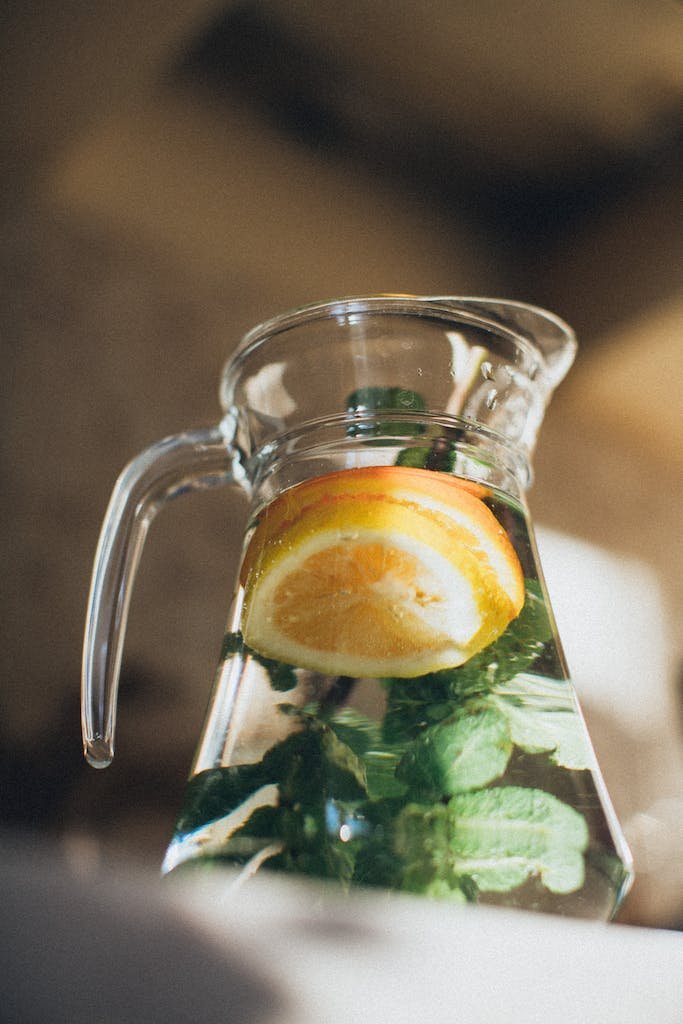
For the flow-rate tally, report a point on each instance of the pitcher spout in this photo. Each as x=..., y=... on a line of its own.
x=554, y=338
x=550, y=345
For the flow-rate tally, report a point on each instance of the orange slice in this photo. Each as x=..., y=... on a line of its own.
x=378, y=571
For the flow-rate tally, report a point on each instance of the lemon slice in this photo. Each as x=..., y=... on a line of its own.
x=379, y=571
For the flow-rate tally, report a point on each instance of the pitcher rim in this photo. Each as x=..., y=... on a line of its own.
x=479, y=309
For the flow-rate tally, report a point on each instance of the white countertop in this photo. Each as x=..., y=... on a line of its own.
x=126, y=947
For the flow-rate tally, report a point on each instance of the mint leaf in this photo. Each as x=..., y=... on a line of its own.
x=416, y=458
x=441, y=456
x=381, y=773
x=466, y=751
x=377, y=861
x=363, y=736
x=414, y=703
x=292, y=803
x=543, y=718
x=321, y=784
x=497, y=838
x=440, y=890
x=383, y=400
x=355, y=729
x=512, y=831
x=282, y=677
x=214, y=793
x=232, y=644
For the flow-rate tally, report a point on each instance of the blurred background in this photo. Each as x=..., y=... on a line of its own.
x=173, y=173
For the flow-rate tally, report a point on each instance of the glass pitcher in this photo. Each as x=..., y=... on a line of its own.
x=391, y=706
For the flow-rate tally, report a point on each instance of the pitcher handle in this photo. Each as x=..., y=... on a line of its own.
x=189, y=461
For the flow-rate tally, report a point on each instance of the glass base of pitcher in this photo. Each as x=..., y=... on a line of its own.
x=339, y=799
x=354, y=852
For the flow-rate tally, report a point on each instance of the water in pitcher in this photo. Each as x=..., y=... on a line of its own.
x=392, y=706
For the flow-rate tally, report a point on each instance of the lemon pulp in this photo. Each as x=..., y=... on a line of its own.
x=380, y=571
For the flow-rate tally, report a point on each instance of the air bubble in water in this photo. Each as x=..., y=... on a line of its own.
x=487, y=370
x=492, y=399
